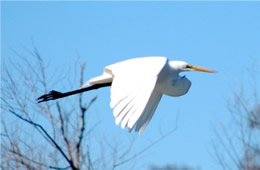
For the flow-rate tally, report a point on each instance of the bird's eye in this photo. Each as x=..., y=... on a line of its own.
x=188, y=66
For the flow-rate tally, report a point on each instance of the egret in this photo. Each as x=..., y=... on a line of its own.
x=137, y=86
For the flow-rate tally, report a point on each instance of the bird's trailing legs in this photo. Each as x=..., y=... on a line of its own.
x=53, y=95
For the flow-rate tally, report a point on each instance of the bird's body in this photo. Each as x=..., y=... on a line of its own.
x=137, y=86
x=170, y=82
x=141, y=70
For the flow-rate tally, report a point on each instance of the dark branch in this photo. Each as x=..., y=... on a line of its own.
x=48, y=136
x=62, y=126
x=53, y=95
x=82, y=125
x=33, y=161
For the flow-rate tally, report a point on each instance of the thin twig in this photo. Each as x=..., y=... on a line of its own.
x=39, y=163
x=62, y=127
x=48, y=136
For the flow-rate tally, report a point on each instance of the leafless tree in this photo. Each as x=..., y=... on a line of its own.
x=237, y=146
x=51, y=135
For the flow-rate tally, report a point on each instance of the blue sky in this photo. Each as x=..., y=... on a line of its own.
x=224, y=36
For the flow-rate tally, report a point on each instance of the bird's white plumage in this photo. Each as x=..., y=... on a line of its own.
x=148, y=112
x=138, y=85
x=106, y=77
x=132, y=88
x=133, y=84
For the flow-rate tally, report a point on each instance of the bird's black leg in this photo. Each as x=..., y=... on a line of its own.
x=52, y=95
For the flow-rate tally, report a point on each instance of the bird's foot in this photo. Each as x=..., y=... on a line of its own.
x=52, y=95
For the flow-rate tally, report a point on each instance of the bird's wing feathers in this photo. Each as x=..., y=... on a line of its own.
x=135, y=105
x=148, y=112
x=133, y=95
x=142, y=66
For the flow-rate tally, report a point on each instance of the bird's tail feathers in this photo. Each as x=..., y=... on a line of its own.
x=104, y=78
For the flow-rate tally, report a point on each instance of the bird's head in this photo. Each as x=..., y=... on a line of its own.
x=181, y=66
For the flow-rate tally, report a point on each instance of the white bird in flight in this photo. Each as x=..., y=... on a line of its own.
x=137, y=86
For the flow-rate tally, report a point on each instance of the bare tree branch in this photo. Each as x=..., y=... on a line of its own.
x=48, y=136
x=240, y=140
x=148, y=147
x=33, y=161
x=66, y=129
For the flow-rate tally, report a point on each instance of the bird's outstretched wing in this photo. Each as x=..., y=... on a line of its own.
x=133, y=94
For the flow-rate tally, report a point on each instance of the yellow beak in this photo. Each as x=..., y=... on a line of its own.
x=196, y=68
